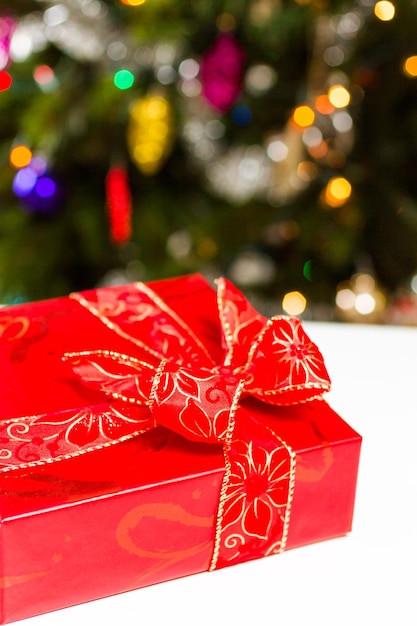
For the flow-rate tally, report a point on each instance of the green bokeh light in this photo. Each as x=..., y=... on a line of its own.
x=307, y=271
x=124, y=79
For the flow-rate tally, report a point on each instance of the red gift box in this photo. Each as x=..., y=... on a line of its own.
x=153, y=431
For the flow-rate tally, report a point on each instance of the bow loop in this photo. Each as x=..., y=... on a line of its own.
x=139, y=312
x=284, y=365
x=240, y=322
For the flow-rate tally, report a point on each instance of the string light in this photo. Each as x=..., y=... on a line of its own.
x=337, y=192
x=359, y=299
x=56, y=15
x=342, y=121
x=20, y=156
x=318, y=151
x=384, y=10
x=339, y=96
x=307, y=270
x=133, y=3
x=124, y=79
x=277, y=150
x=242, y=115
x=307, y=171
x=24, y=182
x=303, y=116
x=43, y=74
x=188, y=69
x=410, y=66
x=312, y=136
x=38, y=190
x=259, y=79
x=45, y=77
x=323, y=104
x=294, y=303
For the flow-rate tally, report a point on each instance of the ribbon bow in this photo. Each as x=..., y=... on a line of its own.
x=171, y=380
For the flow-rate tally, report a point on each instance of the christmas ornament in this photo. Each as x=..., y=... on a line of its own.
x=7, y=26
x=150, y=132
x=221, y=72
x=119, y=204
x=5, y=80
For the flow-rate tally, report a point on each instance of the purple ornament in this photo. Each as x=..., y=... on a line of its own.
x=221, y=72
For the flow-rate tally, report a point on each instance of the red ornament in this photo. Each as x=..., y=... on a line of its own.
x=221, y=72
x=119, y=204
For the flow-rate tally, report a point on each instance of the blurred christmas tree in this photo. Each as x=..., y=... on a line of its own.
x=271, y=141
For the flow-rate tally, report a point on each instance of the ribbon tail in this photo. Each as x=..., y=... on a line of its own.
x=256, y=497
x=41, y=439
x=119, y=376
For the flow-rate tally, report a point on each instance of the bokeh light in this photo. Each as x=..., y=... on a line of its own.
x=43, y=75
x=259, y=79
x=342, y=121
x=345, y=299
x=294, y=303
x=277, y=150
x=242, y=115
x=303, y=116
x=360, y=299
x=307, y=171
x=226, y=22
x=307, y=270
x=323, y=104
x=45, y=187
x=133, y=3
x=24, y=182
x=337, y=191
x=189, y=69
x=339, y=96
x=312, y=136
x=20, y=156
x=384, y=10
x=124, y=79
x=410, y=66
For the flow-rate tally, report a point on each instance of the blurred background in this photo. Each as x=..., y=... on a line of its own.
x=270, y=141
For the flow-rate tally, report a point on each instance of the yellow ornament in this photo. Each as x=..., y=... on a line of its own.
x=150, y=132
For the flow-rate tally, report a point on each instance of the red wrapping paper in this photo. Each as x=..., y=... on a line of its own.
x=118, y=510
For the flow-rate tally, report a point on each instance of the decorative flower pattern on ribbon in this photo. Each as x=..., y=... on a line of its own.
x=170, y=379
x=256, y=488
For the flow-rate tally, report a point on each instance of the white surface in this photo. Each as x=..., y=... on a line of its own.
x=368, y=577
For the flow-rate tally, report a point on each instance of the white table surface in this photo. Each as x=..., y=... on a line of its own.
x=367, y=577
